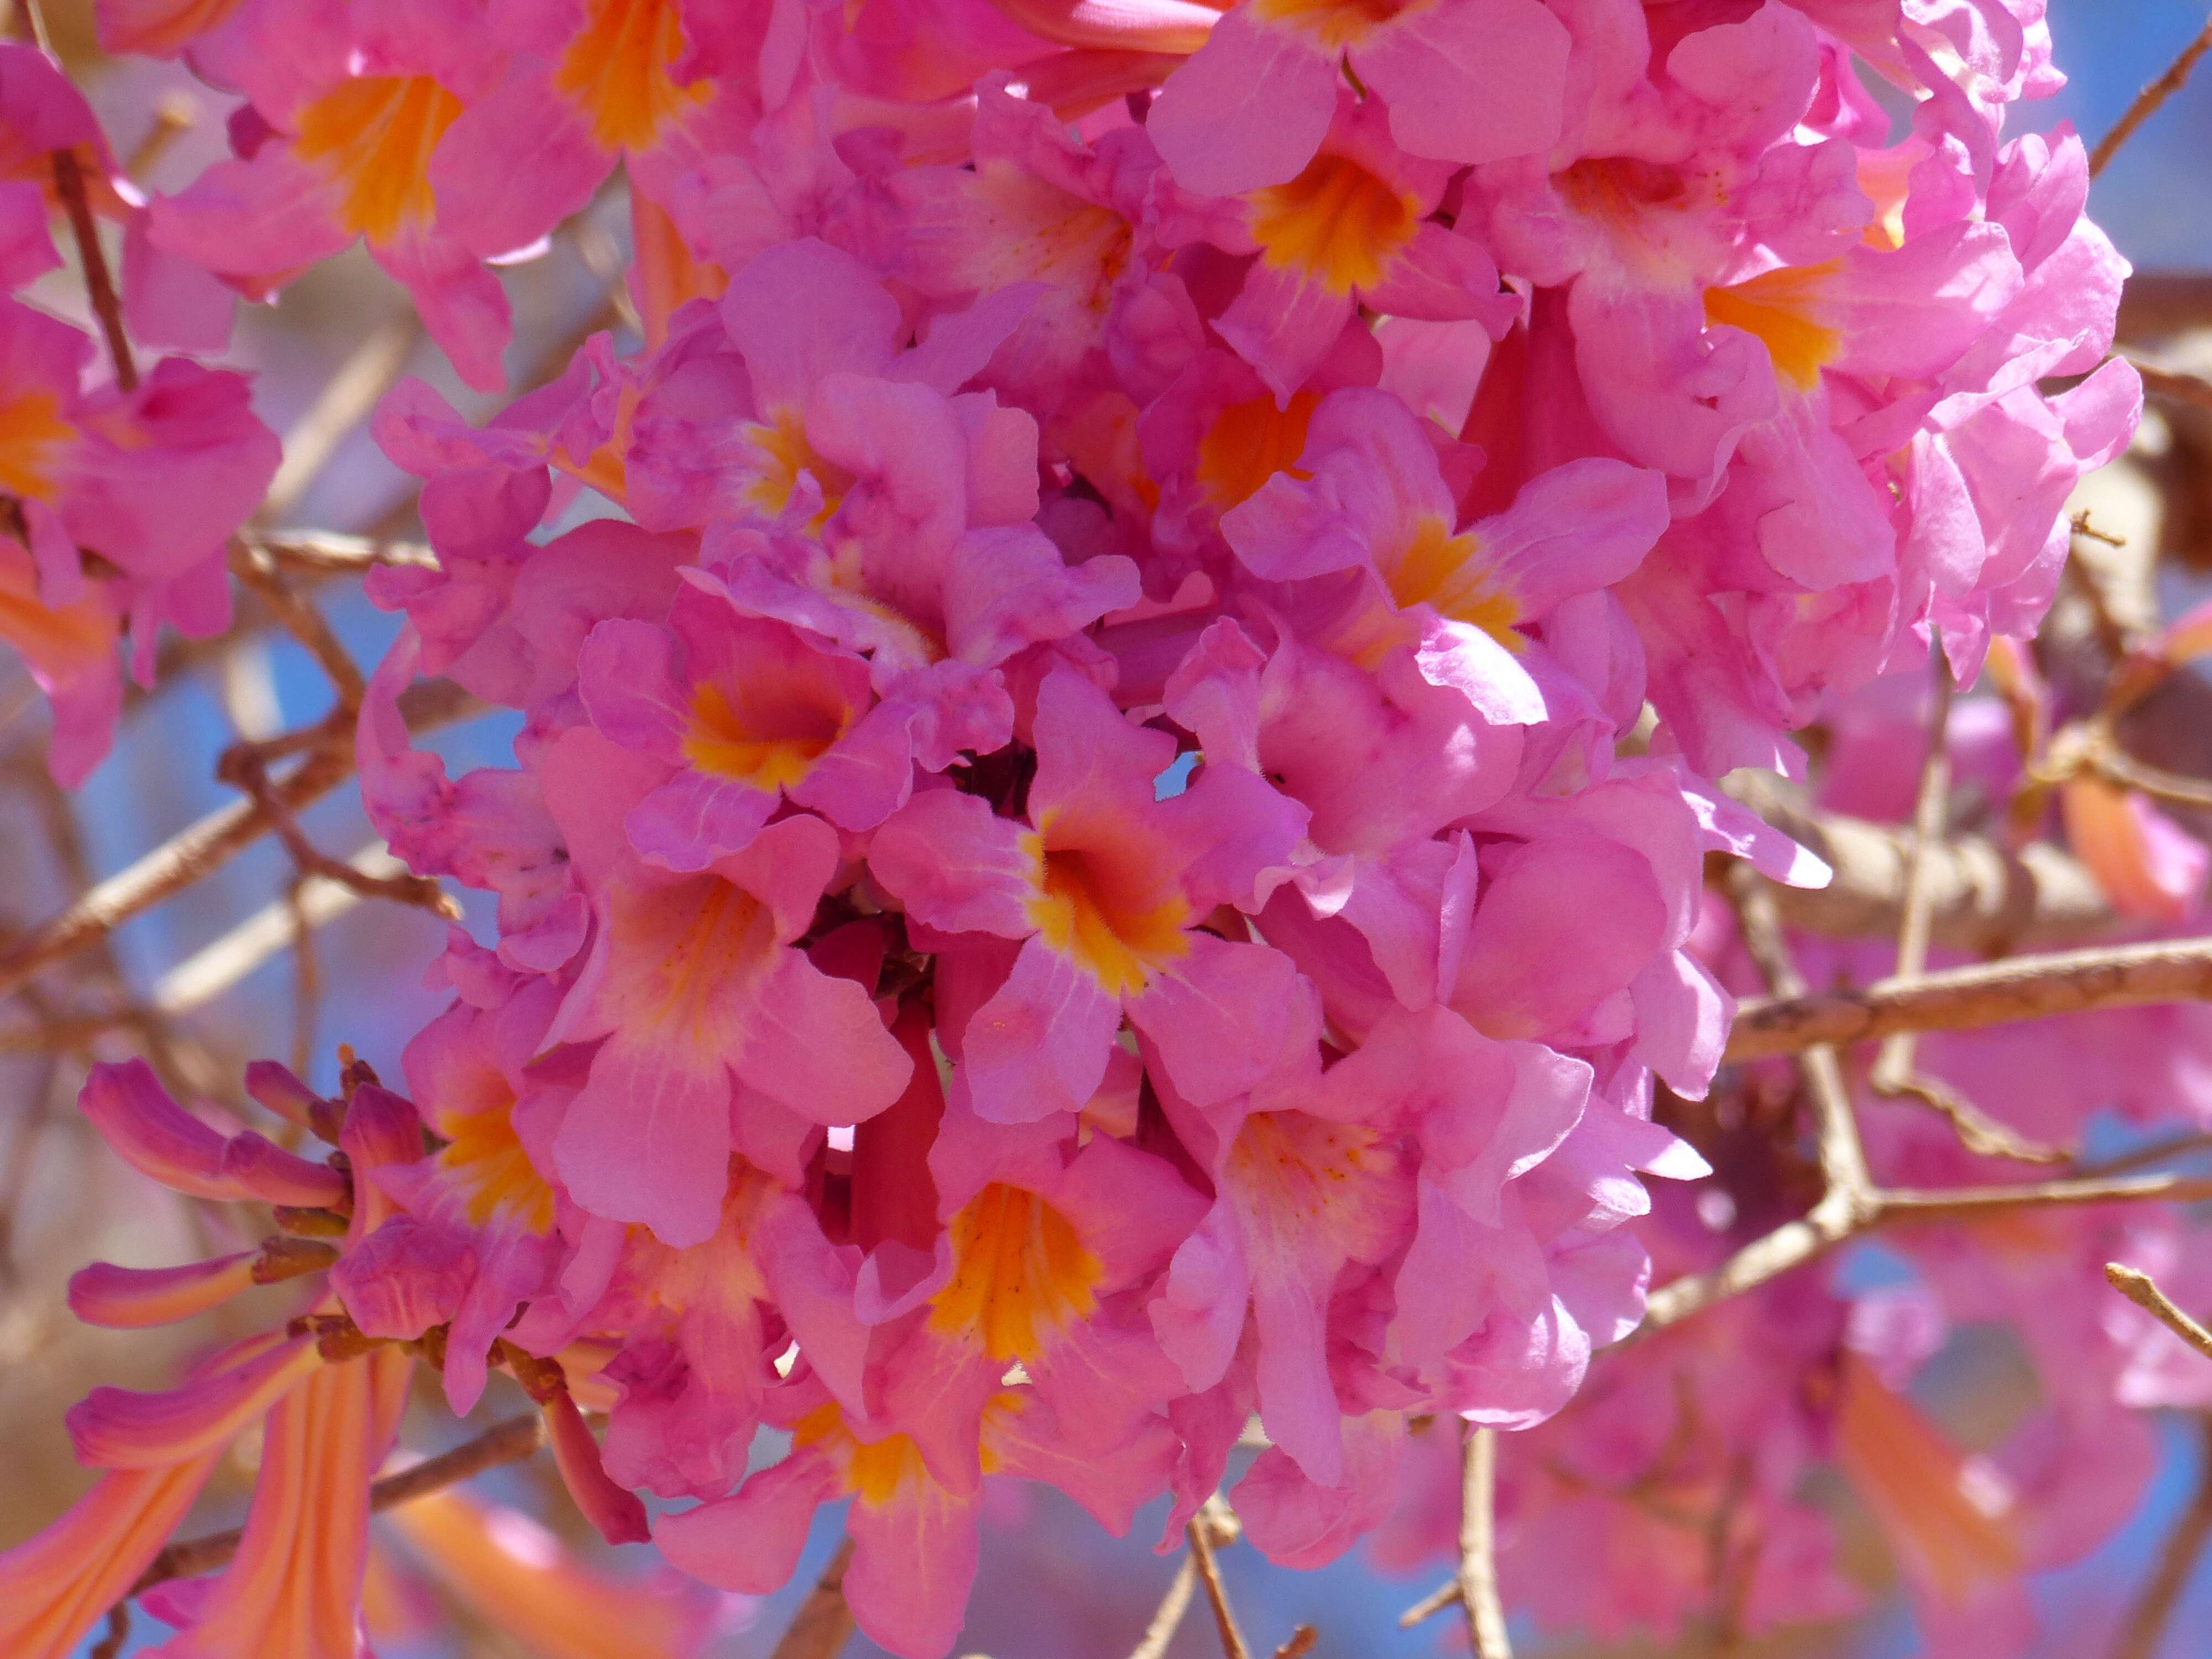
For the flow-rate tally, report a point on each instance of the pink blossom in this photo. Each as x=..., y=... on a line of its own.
x=1107, y=886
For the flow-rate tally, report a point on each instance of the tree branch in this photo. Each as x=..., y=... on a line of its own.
x=1991, y=993
x=1217, y=1595
x=202, y=847
x=1982, y=897
x=2146, y=1621
x=504, y=1442
x=824, y=1623
x=2148, y=100
x=2138, y=1289
x=99, y=285
x=1478, y=1544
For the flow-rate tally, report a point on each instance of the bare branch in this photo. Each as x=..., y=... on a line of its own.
x=1978, y=1133
x=117, y=1636
x=2138, y=1289
x=1160, y=1632
x=824, y=1623
x=216, y=967
x=1478, y=1544
x=2148, y=100
x=510, y=1442
x=1842, y=1160
x=202, y=847
x=301, y=620
x=324, y=552
x=1991, y=994
x=2172, y=386
x=1217, y=1595
x=1983, y=896
x=342, y=404
x=2147, y=1619
x=99, y=285
x=1969, y=1203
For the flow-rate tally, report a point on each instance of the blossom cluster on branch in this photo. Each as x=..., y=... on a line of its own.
x=1120, y=708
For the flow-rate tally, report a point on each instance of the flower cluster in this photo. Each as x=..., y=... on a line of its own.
x=1678, y=1492
x=1116, y=736
x=117, y=497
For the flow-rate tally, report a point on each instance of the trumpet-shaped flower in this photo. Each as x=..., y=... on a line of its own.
x=1110, y=888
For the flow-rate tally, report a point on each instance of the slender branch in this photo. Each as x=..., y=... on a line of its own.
x=1969, y=1203
x=1301, y=1642
x=1842, y=1160
x=824, y=1623
x=99, y=285
x=1978, y=1133
x=342, y=405
x=324, y=552
x=510, y=1442
x=2152, y=1608
x=1478, y=1544
x=1217, y=1595
x=301, y=620
x=2148, y=100
x=202, y=847
x=2172, y=386
x=117, y=1636
x=1992, y=993
x=2121, y=768
x=1847, y=1201
x=1828, y=1223
x=1983, y=897
x=2138, y=1289
x=1931, y=808
x=1160, y=1632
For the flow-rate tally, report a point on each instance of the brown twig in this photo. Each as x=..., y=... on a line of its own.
x=118, y=1635
x=2152, y=1607
x=2174, y=388
x=1301, y=1642
x=1847, y=1202
x=253, y=566
x=1983, y=896
x=1895, y=1072
x=1892, y=1069
x=1795, y=1242
x=323, y=552
x=99, y=286
x=1991, y=993
x=510, y=1442
x=1153, y=1644
x=196, y=850
x=342, y=405
x=824, y=1623
x=2148, y=100
x=1478, y=1544
x=2138, y=1289
x=1217, y=1595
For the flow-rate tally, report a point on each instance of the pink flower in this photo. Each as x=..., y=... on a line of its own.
x=1048, y=1255
x=747, y=712
x=649, y=83
x=1109, y=887
x=706, y=1010
x=1463, y=81
x=915, y=1540
x=1352, y=228
x=1374, y=500
x=354, y=103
